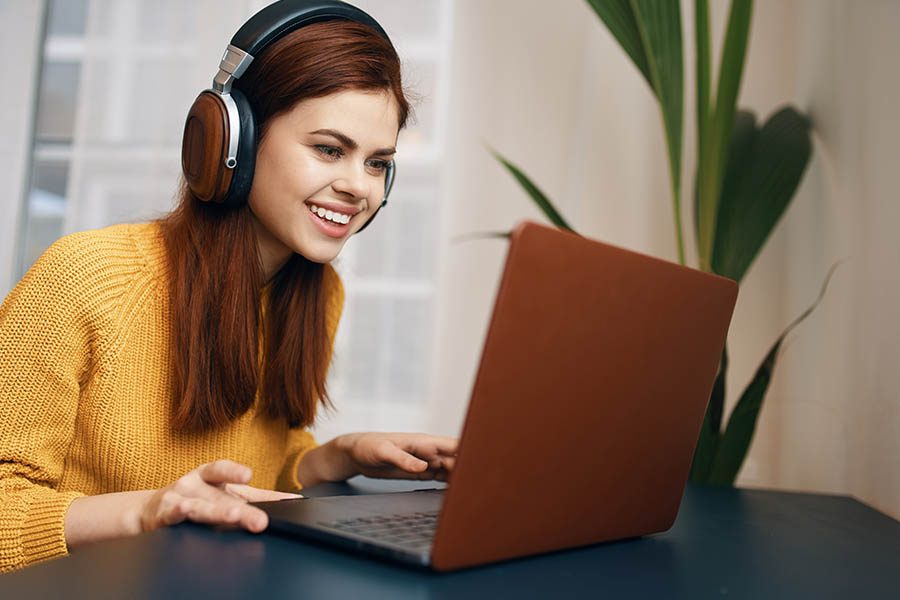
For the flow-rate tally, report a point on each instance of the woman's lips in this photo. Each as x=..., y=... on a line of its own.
x=329, y=228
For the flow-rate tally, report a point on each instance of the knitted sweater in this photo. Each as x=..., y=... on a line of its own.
x=84, y=390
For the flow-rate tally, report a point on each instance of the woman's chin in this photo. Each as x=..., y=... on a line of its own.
x=320, y=252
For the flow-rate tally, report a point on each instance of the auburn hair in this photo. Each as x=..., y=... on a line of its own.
x=233, y=338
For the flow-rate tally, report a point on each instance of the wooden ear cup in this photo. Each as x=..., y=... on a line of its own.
x=204, y=148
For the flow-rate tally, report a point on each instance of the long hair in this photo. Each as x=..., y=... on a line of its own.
x=219, y=308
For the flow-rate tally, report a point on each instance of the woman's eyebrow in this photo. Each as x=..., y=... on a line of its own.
x=350, y=143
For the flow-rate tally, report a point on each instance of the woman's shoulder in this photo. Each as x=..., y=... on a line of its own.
x=125, y=242
x=99, y=261
x=112, y=237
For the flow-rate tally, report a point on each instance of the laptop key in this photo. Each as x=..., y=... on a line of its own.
x=414, y=530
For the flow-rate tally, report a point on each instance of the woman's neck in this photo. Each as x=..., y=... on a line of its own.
x=272, y=253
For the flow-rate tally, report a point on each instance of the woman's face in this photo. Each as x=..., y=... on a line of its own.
x=327, y=154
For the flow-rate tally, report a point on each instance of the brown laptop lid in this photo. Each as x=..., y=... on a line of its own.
x=594, y=380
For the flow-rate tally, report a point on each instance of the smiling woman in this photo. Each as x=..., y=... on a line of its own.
x=152, y=371
x=296, y=171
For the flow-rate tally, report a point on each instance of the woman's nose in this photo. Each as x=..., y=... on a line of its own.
x=352, y=180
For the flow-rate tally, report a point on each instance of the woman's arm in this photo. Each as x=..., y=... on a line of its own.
x=383, y=455
x=103, y=517
x=47, y=335
x=214, y=493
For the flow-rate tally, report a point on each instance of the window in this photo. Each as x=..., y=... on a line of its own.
x=118, y=77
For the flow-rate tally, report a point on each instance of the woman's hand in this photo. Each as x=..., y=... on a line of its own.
x=383, y=455
x=214, y=493
x=399, y=455
x=211, y=493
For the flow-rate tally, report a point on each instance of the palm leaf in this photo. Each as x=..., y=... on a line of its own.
x=536, y=194
x=743, y=133
x=659, y=25
x=483, y=235
x=649, y=31
x=733, y=446
x=619, y=18
x=717, y=136
x=765, y=167
x=712, y=423
x=701, y=31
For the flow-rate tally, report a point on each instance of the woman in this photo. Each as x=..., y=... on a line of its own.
x=167, y=371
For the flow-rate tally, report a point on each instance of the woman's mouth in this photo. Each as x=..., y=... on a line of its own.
x=328, y=215
x=332, y=223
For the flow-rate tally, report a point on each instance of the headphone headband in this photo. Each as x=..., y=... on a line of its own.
x=277, y=20
x=280, y=18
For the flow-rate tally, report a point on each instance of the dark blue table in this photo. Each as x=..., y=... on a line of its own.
x=725, y=544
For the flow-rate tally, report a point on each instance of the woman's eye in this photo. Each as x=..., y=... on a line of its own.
x=378, y=165
x=330, y=151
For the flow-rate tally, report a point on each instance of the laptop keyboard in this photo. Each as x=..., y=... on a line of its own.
x=415, y=530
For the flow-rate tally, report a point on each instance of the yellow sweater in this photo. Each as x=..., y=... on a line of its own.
x=84, y=402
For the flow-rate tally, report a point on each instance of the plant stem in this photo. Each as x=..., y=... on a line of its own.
x=676, y=201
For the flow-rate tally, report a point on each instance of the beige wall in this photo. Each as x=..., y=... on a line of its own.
x=833, y=418
x=558, y=97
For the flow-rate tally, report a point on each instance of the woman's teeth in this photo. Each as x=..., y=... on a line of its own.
x=329, y=215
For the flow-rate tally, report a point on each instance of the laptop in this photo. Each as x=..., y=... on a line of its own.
x=592, y=388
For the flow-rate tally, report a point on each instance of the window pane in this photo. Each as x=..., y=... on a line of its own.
x=406, y=19
x=50, y=178
x=409, y=343
x=167, y=20
x=46, y=209
x=421, y=78
x=361, y=365
x=413, y=250
x=370, y=247
x=66, y=17
x=56, y=102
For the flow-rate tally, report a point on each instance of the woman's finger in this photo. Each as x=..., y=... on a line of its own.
x=210, y=485
x=224, y=471
x=389, y=453
x=231, y=513
x=445, y=463
x=428, y=446
x=253, y=494
x=390, y=472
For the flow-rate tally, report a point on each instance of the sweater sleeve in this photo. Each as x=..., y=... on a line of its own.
x=302, y=441
x=45, y=343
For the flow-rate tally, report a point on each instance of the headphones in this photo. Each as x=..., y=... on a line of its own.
x=218, y=150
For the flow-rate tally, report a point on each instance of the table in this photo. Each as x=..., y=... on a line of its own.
x=726, y=543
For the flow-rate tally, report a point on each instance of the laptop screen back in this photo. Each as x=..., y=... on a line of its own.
x=592, y=387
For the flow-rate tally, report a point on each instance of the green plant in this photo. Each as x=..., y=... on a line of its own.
x=746, y=176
